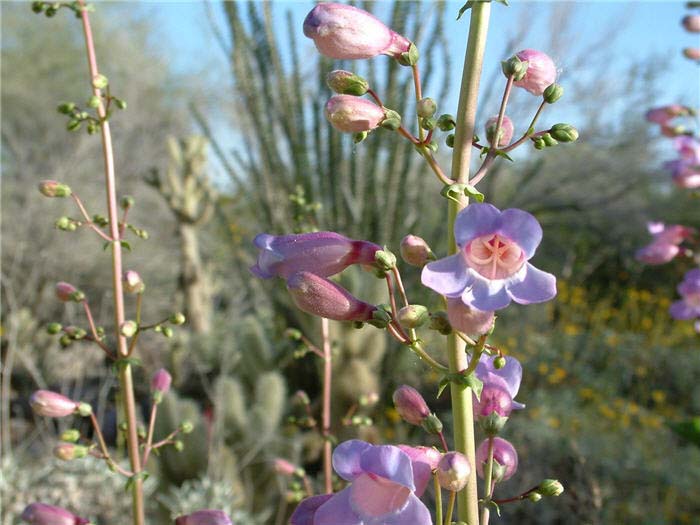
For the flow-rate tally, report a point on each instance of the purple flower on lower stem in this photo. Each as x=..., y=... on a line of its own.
x=491, y=267
x=322, y=253
x=689, y=306
x=501, y=385
x=204, y=517
x=504, y=454
x=43, y=514
x=382, y=490
x=665, y=243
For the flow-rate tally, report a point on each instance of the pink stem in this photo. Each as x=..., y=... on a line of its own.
x=326, y=417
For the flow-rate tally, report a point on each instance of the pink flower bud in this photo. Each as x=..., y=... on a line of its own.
x=415, y=251
x=453, y=471
x=503, y=453
x=284, y=467
x=468, y=320
x=67, y=292
x=541, y=71
x=43, y=514
x=70, y=451
x=692, y=23
x=52, y=404
x=346, y=32
x=662, y=115
x=506, y=133
x=205, y=517
x=693, y=53
x=52, y=188
x=410, y=405
x=160, y=382
x=493, y=399
x=318, y=296
x=132, y=282
x=351, y=114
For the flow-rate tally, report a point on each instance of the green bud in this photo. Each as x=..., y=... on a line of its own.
x=177, y=318
x=499, y=362
x=346, y=83
x=50, y=11
x=92, y=128
x=37, y=7
x=410, y=57
x=392, y=120
x=121, y=104
x=446, y=122
x=94, y=101
x=534, y=497
x=84, y=409
x=549, y=140
x=413, y=316
x=179, y=446
x=186, y=427
x=129, y=328
x=73, y=125
x=66, y=108
x=440, y=322
x=78, y=334
x=553, y=93
x=100, y=220
x=539, y=143
x=450, y=140
x=428, y=124
x=385, y=259
x=492, y=424
x=551, y=487
x=498, y=471
x=426, y=107
x=141, y=431
x=53, y=328
x=123, y=426
x=126, y=202
x=65, y=341
x=432, y=424
x=432, y=146
x=167, y=331
x=514, y=67
x=83, y=115
x=380, y=318
x=359, y=137
x=71, y=435
x=564, y=132
x=293, y=334
x=100, y=82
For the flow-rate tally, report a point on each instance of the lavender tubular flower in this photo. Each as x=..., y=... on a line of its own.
x=346, y=32
x=382, y=490
x=318, y=296
x=350, y=114
x=468, y=320
x=43, y=514
x=665, y=244
x=491, y=267
x=52, y=404
x=204, y=517
x=689, y=289
x=322, y=253
x=501, y=385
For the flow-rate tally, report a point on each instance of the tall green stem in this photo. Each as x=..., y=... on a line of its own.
x=468, y=499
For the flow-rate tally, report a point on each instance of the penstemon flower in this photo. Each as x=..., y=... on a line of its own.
x=491, y=267
x=665, y=244
x=689, y=289
x=351, y=114
x=541, y=71
x=322, y=253
x=467, y=319
x=51, y=404
x=382, y=490
x=43, y=514
x=346, y=32
x=501, y=385
x=505, y=458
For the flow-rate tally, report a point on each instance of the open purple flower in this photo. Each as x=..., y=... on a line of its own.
x=689, y=306
x=321, y=253
x=501, y=385
x=665, y=244
x=382, y=490
x=491, y=267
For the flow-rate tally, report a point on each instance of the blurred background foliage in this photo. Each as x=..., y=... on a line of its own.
x=606, y=372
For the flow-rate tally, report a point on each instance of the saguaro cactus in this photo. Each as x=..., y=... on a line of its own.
x=189, y=196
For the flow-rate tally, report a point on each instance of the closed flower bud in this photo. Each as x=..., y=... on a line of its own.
x=506, y=132
x=426, y=107
x=126, y=202
x=72, y=435
x=52, y=404
x=499, y=362
x=132, y=282
x=453, y=471
x=160, y=383
x=284, y=467
x=446, y=122
x=319, y=296
x=564, y=132
x=346, y=83
x=693, y=53
x=70, y=451
x=392, y=120
x=468, y=320
x=415, y=251
x=52, y=188
x=385, y=259
x=534, y=496
x=67, y=292
x=351, y=114
x=53, y=328
x=692, y=23
x=551, y=487
x=177, y=318
x=504, y=455
x=540, y=74
x=129, y=328
x=410, y=405
x=204, y=517
x=100, y=81
x=413, y=315
x=43, y=514
x=346, y=32
x=514, y=67
x=553, y=93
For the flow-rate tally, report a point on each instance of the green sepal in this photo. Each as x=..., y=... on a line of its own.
x=130, y=482
x=453, y=191
x=459, y=378
x=410, y=57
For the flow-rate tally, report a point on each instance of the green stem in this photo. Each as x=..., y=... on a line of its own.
x=450, y=508
x=488, y=485
x=468, y=499
x=438, y=500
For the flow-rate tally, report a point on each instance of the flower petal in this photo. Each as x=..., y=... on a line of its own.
x=414, y=513
x=390, y=463
x=372, y=496
x=346, y=458
x=523, y=229
x=306, y=510
x=486, y=294
x=508, y=377
x=536, y=287
x=476, y=220
x=682, y=311
x=448, y=276
x=423, y=460
x=338, y=511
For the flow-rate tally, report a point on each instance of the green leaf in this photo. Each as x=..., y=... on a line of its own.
x=464, y=8
x=130, y=482
x=475, y=384
x=443, y=384
x=126, y=245
x=503, y=154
